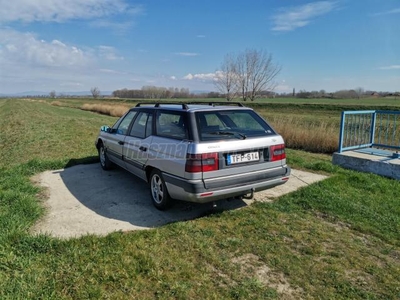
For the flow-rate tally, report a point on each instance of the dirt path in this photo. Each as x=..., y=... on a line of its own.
x=87, y=200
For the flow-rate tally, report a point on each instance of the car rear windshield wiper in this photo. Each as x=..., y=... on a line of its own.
x=243, y=136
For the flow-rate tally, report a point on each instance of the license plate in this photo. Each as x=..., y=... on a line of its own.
x=243, y=158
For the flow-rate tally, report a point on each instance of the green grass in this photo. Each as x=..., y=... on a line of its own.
x=38, y=130
x=337, y=239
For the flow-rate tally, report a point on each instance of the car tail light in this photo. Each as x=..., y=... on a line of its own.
x=204, y=162
x=278, y=152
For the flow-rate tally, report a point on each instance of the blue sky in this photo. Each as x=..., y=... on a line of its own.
x=73, y=45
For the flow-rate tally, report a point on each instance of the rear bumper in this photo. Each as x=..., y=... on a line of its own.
x=222, y=188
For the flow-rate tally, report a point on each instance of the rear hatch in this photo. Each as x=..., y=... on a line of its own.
x=225, y=164
x=236, y=147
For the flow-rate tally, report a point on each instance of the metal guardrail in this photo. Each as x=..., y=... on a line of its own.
x=369, y=128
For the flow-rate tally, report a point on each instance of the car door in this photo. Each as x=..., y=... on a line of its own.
x=137, y=143
x=116, y=139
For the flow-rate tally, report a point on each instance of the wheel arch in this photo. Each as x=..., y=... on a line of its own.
x=99, y=142
x=148, y=171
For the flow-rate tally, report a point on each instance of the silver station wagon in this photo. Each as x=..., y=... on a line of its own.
x=195, y=152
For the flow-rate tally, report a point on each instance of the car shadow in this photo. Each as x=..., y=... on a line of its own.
x=119, y=195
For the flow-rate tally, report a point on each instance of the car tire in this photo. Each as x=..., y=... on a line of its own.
x=158, y=191
x=105, y=162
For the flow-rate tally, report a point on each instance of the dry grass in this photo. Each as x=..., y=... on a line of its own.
x=107, y=109
x=315, y=137
x=56, y=103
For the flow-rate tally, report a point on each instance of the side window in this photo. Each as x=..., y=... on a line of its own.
x=149, y=125
x=124, y=124
x=142, y=127
x=171, y=125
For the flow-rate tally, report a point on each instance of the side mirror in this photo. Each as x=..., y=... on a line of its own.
x=105, y=128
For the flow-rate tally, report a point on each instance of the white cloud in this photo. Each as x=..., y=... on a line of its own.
x=392, y=67
x=110, y=71
x=187, y=54
x=31, y=64
x=389, y=12
x=119, y=28
x=282, y=88
x=62, y=10
x=109, y=53
x=57, y=43
x=71, y=84
x=188, y=77
x=26, y=49
x=293, y=17
x=202, y=77
x=172, y=78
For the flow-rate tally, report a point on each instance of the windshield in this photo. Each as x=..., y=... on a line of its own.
x=231, y=124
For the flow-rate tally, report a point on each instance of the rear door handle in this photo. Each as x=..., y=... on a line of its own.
x=121, y=143
x=141, y=148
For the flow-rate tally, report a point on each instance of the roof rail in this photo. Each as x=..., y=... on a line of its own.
x=158, y=104
x=218, y=103
x=185, y=105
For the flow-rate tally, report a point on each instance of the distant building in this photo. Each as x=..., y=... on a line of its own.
x=375, y=95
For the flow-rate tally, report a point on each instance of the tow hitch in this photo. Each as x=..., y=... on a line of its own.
x=251, y=195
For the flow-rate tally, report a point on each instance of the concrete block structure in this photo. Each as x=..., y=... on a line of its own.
x=369, y=141
x=385, y=163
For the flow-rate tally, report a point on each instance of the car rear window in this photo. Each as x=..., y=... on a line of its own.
x=231, y=124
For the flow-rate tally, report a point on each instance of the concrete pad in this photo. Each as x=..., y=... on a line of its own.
x=384, y=165
x=84, y=199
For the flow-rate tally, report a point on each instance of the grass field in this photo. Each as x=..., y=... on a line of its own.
x=337, y=239
x=369, y=101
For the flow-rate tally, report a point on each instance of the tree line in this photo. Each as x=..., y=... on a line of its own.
x=356, y=93
x=153, y=92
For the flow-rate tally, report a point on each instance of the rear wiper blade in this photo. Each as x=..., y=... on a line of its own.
x=243, y=136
